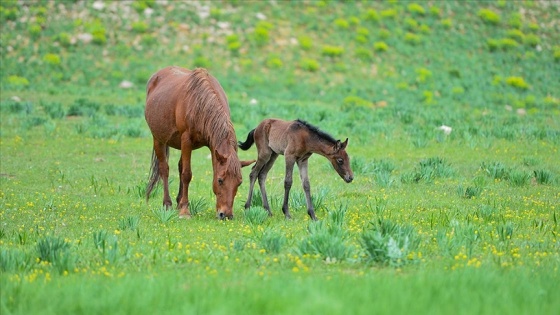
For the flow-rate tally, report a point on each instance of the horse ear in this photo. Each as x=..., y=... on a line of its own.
x=344, y=144
x=247, y=163
x=220, y=158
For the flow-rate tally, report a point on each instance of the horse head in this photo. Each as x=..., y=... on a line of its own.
x=341, y=161
x=227, y=179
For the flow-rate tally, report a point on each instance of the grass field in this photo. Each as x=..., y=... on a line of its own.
x=452, y=112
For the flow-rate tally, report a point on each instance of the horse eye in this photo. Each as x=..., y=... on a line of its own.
x=220, y=181
x=339, y=161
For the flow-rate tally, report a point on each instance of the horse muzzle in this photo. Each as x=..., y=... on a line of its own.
x=348, y=178
x=222, y=215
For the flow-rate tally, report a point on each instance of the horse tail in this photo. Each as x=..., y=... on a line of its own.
x=249, y=142
x=154, y=173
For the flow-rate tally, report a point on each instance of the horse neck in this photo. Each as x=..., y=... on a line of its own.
x=321, y=147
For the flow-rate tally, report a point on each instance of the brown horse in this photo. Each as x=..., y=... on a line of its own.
x=296, y=140
x=187, y=110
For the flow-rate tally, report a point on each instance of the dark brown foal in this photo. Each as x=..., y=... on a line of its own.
x=297, y=140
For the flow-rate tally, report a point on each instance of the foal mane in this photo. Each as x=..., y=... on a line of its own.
x=317, y=132
x=208, y=108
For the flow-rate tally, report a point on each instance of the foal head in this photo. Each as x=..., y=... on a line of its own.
x=227, y=178
x=340, y=160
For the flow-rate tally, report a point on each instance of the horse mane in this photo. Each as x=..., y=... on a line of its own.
x=317, y=132
x=209, y=109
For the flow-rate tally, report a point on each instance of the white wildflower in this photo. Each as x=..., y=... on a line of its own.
x=126, y=84
x=85, y=38
x=98, y=5
x=261, y=16
x=253, y=101
x=446, y=129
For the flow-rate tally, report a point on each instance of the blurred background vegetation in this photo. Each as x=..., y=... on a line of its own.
x=360, y=68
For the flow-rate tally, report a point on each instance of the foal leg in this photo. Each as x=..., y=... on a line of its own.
x=255, y=171
x=262, y=181
x=186, y=176
x=161, y=155
x=290, y=161
x=306, y=187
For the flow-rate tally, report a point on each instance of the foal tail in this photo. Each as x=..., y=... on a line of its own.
x=249, y=142
x=154, y=173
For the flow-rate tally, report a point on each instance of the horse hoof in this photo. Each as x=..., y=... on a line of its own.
x=185, y=216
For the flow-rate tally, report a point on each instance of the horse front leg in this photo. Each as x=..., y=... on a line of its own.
x=290, y=161
x=180, y=168
x=303, y=164
x=161, y=151
x=186, y=176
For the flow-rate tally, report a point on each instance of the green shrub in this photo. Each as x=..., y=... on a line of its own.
x=515, y=21
x=164, y=215
x=129, y=223
x=327, y=238
x=34, y=30
x=517, y=82
x=272, y=241
x=371, y=15
x=234, y=47
x=17, y=81
x=274, y=62
x=139, y=27
x=412, y=38
x=543, y=177
x=353, y=102
x=8, y=14
x=341, y=23
x=508, y=43
x=64, y=39
x=261, y=36
x=305, y=42
x=332, y=51
x=52, y=59
x=51, y=249
x=519, y=177
x=411, y=24
x=389, y=13
x=15, y=261
x=447, y=23
x=417, y=9
x=489, y=17
x=255, y=215
x=389, y=243
x=380, y=46
x=55, y=110
x=435, y=11
x=363, y=54
x=310, y=65
x=516, y=35
x=531, y=40
x=495, y=170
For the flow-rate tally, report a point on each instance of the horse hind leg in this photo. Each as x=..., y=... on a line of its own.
x=262, y=181
x=255, y=171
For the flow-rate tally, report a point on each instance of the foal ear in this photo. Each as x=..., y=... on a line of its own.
x=340, y=145
x=247, y=163
x=220, y=158
x=344, y=144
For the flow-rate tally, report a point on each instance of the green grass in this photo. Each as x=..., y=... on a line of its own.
x=433, y=223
